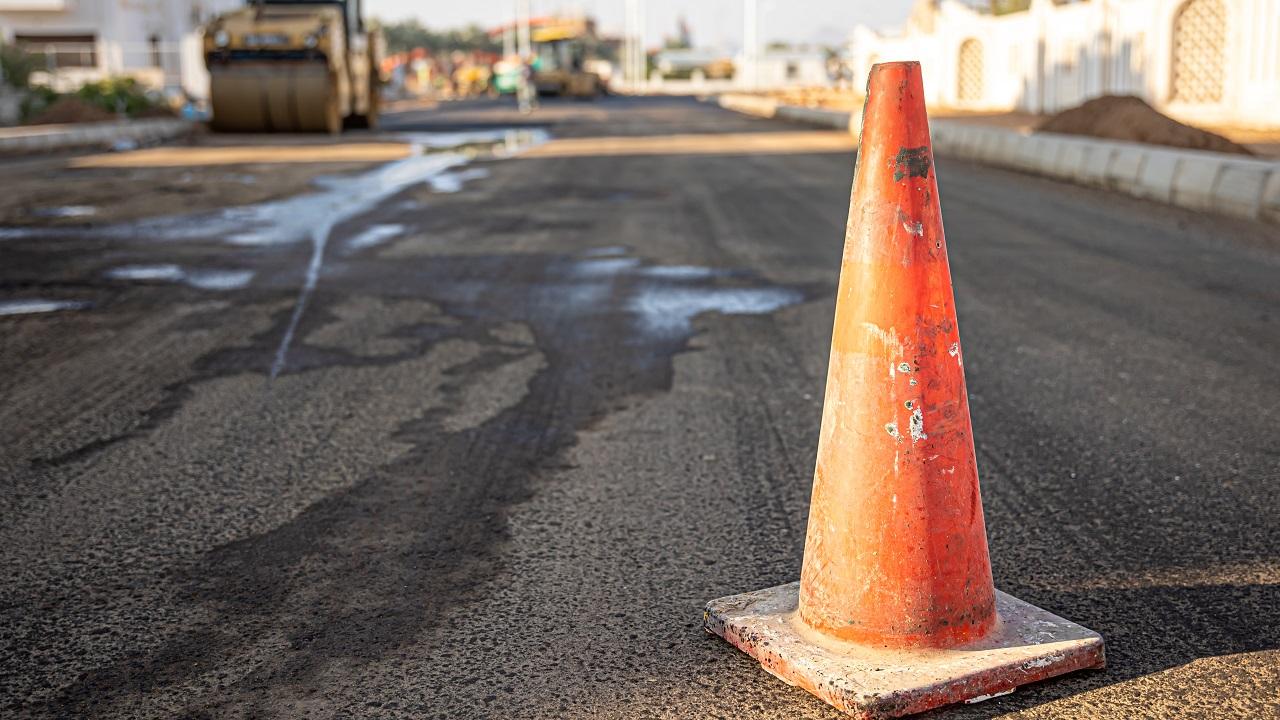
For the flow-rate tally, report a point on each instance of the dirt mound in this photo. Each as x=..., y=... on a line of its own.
x=156, y=111
x=1125, y=117
x=71, y=109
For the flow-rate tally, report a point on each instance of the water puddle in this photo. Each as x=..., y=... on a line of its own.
x=502, y=142
x=603, y=266
x=38, y=305
x=664, y=299
x=452, y=182
x=670, y=310
x=219, y=279
x=200, y=279
x=681, y=272
x=313, y=216
x=435, y=159
x=372, y=236
x=670, y=303
x=66, y=211
x=656, y=303
x=342, y=198
x=607, y=251
x=171, y=273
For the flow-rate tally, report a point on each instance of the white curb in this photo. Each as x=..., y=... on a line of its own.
x=1197, y=179
x=45, y=138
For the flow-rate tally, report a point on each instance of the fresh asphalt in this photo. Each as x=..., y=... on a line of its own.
x=516, y=441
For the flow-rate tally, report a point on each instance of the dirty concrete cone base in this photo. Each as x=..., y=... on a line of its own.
x=1027, y=645
x=896, y=611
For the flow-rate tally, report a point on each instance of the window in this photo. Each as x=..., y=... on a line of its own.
x=61, y=51
x=1199, y=42
x=969, y=72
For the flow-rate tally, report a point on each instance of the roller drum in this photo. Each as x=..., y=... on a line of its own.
x=274, y=97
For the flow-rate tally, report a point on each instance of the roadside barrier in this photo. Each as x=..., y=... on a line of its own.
x=53, y=138
x=1195, y=179
x=895, y=611
x=1233, y=185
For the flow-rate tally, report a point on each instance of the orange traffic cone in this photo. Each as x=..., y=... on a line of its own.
x=895, y=612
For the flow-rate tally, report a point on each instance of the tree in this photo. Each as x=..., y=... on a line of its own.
x=410, y=34
x=16, y=66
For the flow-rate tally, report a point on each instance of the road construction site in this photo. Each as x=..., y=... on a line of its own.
x=470, y=416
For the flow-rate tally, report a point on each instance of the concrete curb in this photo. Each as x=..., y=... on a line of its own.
x=1197, y=179
x=49, y=138
x=749, y=105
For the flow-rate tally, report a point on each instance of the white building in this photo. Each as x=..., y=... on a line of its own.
x=782, y=68
x=1205, y=61
x=155, y=41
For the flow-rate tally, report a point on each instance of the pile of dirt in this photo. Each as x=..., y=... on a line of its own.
x=71, y=109
x=156, y=111
x=1125, y=117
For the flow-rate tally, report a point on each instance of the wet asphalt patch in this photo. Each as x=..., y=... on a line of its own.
x=608, y=326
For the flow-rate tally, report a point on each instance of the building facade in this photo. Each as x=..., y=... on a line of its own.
x=156, y=42
x=1201, y=61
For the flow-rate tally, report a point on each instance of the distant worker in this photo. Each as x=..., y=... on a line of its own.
x=525, y=95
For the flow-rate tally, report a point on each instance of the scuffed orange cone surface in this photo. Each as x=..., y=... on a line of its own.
x=895, y=612
x=896, y=552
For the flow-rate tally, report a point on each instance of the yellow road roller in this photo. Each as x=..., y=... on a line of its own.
x=562, y=50
x=293, y=66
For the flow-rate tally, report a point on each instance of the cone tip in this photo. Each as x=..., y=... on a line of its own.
x=901, y=64
x=893, y=72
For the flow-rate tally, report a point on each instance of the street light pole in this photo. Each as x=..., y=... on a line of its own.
x=750, y=41
x=627, y=42
x=642, y=69
x=633, y=64
x=522, y=23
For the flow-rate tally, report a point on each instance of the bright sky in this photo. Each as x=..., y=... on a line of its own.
x=715, y=23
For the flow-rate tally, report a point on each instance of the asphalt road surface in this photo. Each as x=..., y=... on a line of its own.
x=481, y=441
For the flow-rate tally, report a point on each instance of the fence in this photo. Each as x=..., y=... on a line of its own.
x=162, y=65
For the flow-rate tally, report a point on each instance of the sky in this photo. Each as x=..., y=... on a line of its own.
x=715, y=23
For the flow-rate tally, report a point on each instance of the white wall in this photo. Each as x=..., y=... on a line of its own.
x=124, y=29
x=771, y=70
x=1056, y=56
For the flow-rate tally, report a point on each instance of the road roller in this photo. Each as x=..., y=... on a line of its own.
x=562, y=49
x=293, y=66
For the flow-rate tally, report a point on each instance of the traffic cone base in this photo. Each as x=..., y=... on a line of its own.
x=1027, y=645
x=896, y=611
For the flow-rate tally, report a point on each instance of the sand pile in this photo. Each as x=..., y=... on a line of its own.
x=1124, y=117
x=71, y=109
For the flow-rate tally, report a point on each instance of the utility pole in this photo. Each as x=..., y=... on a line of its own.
x=522, y=33
x=642, y=64
x=525, y=92
x=750, y=42
x=627, y=41
x=633, y=47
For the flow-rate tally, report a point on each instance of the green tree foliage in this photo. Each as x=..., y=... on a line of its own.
x=117, y=95
x=16, y=66
x=410, y=34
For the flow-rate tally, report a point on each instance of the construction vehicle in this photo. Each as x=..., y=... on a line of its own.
x=562, y=50
x=293, y=66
